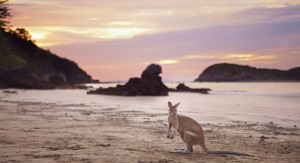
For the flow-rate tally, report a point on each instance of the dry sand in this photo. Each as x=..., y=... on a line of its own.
x=51, y=132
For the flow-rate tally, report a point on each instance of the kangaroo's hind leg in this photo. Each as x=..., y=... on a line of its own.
x=185, y=137
x=188, y=139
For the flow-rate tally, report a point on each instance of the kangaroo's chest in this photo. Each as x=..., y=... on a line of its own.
x=174, y=122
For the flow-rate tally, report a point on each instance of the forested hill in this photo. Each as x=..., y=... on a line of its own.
x=234, y=72
x=25, y=65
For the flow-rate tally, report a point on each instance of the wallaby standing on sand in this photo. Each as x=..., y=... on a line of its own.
x=190, y=132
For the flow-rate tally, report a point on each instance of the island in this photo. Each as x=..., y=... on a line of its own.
x=225, y=72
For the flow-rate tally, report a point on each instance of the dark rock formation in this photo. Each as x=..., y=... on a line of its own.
x=183, y=88
x=152, y=72
x=232, y=72
x=149, y=84
x=25, y=65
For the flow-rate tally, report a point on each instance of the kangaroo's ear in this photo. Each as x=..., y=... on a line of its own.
x=170, y=105
x=175, y=106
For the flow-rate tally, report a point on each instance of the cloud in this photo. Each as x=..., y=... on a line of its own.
x=161, y=15
x=98, y=67
x=195, y=56
x=248, y=57
x=193, y=50
x=127, y=19
x=265, y=14
x=49, y=36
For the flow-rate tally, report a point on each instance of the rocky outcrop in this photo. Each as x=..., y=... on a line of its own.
x=152, y=72
x=233, y=72
x=25, y=65
x=183, y=88
x=149, y=84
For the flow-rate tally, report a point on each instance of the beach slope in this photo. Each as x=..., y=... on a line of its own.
x=55, y=132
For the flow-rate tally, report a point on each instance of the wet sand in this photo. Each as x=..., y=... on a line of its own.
x=54, y=132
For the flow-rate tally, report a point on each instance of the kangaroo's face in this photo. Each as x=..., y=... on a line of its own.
x=172, y=109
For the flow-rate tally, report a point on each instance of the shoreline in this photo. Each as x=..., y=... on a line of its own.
x=54, y=132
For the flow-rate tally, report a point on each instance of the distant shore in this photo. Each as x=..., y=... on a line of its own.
x=233, y=72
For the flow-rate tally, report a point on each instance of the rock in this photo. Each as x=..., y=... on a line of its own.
x=152, y=72
x=149, y=84
x=183, y=88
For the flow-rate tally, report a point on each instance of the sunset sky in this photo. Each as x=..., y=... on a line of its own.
x=116, y=39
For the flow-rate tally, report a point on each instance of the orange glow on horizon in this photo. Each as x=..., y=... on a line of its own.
x=248, y=57
x=165, y=62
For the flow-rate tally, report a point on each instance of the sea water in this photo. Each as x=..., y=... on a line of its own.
x=263, y=102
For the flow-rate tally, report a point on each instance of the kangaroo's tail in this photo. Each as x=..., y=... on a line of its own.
x=229, y=153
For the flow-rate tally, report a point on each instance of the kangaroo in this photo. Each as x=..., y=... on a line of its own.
x=190, y=132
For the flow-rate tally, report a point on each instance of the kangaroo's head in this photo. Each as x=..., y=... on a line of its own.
x=172, y=109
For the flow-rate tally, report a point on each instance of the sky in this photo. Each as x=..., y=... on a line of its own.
x=116, y=40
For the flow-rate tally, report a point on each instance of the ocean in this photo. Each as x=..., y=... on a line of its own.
x=228, y=102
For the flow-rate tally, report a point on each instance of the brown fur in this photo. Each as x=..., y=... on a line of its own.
x=190, y=132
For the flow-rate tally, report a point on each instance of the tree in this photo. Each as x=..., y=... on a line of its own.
x=4, y=14
x=4, y=22
x=22, y=33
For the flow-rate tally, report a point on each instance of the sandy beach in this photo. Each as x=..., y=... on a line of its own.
x=47, y=131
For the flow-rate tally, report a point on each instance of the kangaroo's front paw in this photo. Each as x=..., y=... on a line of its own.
x=168, y=136
x=171, y=137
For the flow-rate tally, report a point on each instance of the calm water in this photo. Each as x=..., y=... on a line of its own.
x=258, y=88
x=251, y=102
